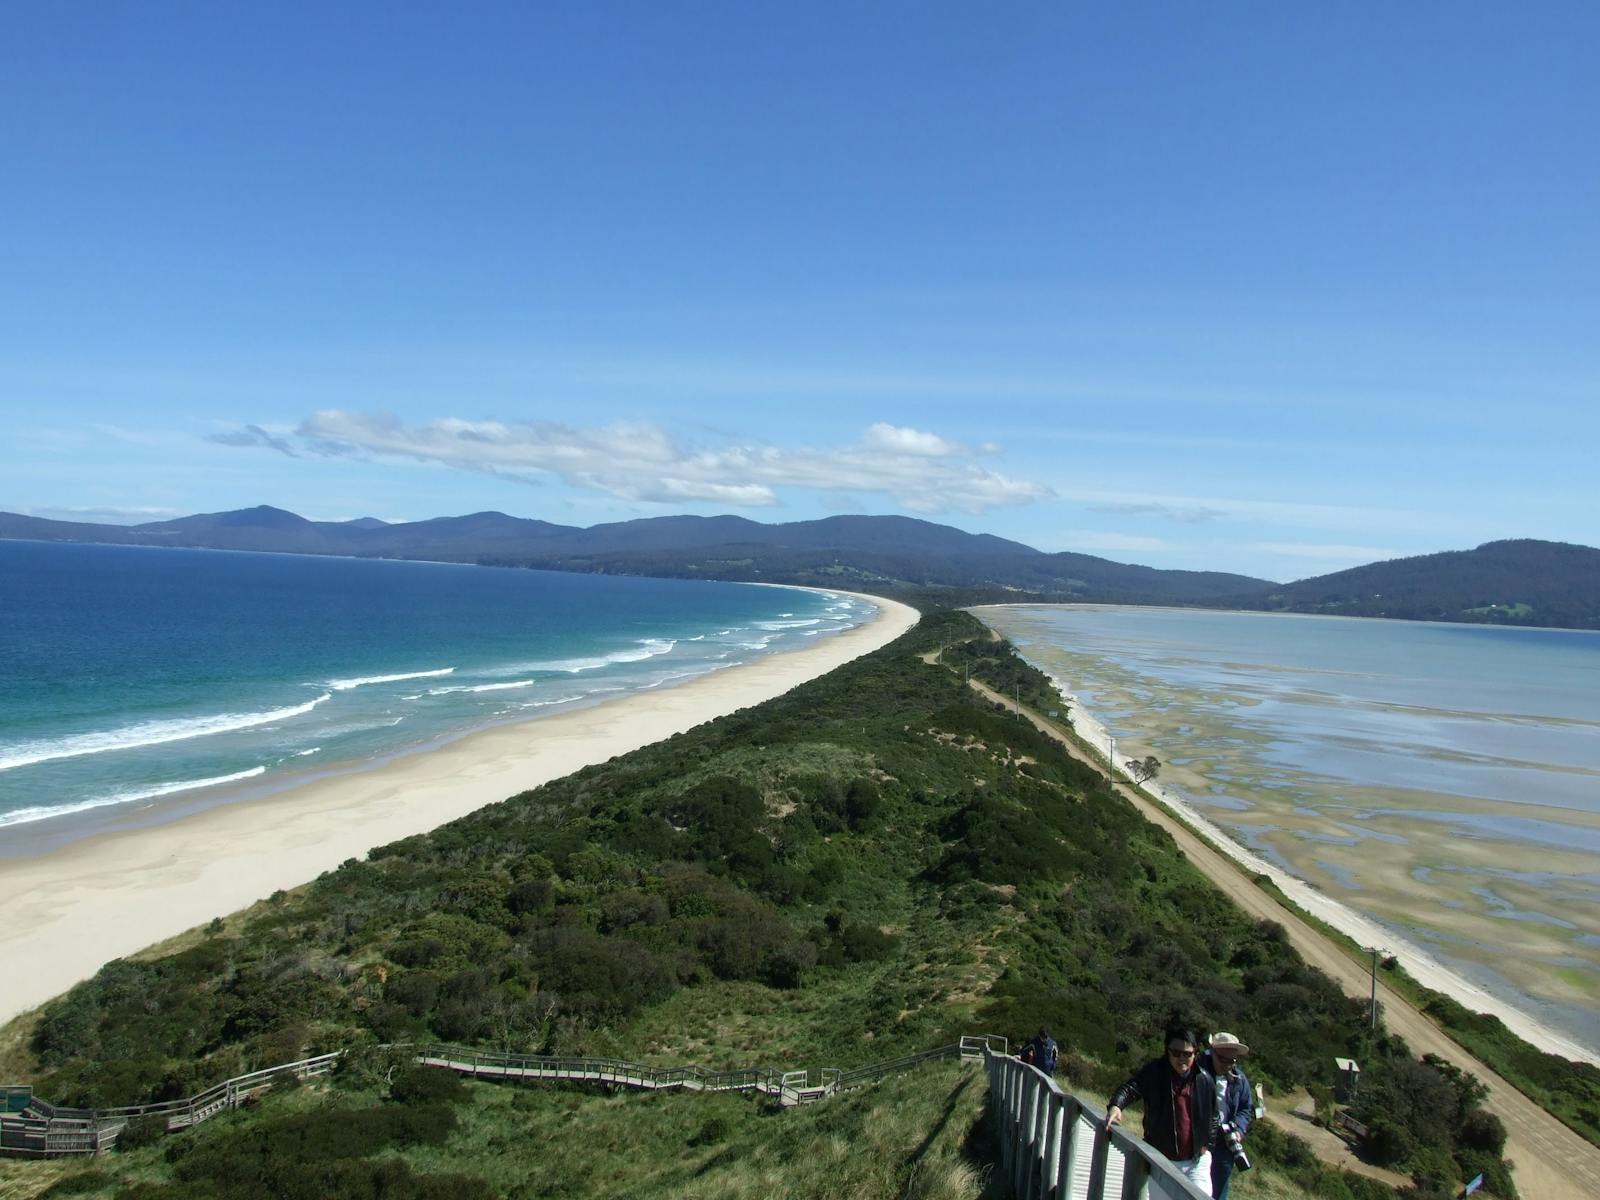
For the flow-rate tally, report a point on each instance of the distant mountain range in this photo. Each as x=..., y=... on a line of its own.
x=1512, y=582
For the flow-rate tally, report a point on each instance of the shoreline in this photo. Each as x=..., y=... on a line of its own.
x=73, y=908
x=1419, y=964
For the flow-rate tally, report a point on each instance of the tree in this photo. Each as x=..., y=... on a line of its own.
x=1144, y=769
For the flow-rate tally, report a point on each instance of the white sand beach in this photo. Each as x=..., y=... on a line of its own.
x=70, y=910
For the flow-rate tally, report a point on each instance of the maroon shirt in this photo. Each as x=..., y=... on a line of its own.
x=1183, y=1115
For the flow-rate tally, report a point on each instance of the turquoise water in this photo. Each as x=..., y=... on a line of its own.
x=131, y=675
x=1443, y=779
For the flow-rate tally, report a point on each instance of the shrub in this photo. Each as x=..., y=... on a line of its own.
x=1482, y=1130
x=712, y=1132
x=415, y=991
x=531, y=895
x=1388, y=1142
x=862, y=803
x=786, y=965
x=427, y=1085
x=141, y=1132
x=77, y=1185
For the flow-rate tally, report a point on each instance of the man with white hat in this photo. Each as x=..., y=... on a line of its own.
x=1235, y=1105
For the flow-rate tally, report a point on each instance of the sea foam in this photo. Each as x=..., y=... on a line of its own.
x=145, y=733
x=344, y=685
x=648, y=648
x=482, y=687
x=23, y=816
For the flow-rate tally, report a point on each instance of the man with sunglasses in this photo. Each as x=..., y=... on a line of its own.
x=1180, y=1106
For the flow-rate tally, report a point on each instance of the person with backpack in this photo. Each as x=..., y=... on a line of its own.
x=1041, y=1051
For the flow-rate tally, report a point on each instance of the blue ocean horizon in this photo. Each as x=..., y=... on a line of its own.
x=131, y=675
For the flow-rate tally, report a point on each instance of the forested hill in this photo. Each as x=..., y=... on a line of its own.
x=884, y=554
x=1521, y=582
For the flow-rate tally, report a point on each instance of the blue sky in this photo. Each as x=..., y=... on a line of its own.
x=1271, y=288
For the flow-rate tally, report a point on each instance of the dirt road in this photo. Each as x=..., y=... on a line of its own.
x=1552, y=1162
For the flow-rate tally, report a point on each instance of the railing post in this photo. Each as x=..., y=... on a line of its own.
x=1097, y=1164
x=1039, y=1128
x=1077, y=1144
x=1024, y=1121
x=1135, y=1179
x=1055, y=1107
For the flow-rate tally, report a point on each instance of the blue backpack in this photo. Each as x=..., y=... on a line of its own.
x=1044, y=1051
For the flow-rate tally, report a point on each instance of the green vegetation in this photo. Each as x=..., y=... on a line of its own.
x=993, y=661
x=1519, y=582
x=865, y=867
x=920, y=1136
x=1569, y=1090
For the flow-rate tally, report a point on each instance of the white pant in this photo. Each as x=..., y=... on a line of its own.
x=1197, y=1170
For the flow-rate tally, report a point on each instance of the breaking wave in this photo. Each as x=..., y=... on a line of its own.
x=145, y=733
x=23, y=816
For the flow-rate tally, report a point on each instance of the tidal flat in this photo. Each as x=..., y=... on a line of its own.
x=1416, y=799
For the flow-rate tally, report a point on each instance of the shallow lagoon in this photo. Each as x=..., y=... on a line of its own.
x=1442, y=779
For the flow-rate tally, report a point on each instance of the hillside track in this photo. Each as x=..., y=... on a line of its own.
x=1552, y=1162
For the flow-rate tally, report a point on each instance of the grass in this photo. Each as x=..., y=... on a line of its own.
x=906, y=1136
x=920, y=1135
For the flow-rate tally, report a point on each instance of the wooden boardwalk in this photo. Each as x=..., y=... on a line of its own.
x=39, y=1128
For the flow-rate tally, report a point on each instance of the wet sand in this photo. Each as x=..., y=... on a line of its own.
x=1504, y=925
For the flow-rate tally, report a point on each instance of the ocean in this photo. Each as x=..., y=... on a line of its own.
x=1442, y=779
x=139, y=683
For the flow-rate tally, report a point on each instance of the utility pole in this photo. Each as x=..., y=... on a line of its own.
x=1374, y=951
x=1111, y=757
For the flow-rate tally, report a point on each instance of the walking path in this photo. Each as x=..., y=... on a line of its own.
x=1552, y=1162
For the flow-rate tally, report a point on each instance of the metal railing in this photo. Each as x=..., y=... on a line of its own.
x=49, y=1129
x=1054, y=1145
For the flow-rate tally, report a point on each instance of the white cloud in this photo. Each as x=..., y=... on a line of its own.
x=254, y=435
x=638, y=462
x=1293, y=514
x=1086, y=541
x=103, y=514
x=896, y=439
x=1188, y=516
x=1335, y=553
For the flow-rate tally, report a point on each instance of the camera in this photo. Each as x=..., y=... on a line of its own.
x=1234, y=1141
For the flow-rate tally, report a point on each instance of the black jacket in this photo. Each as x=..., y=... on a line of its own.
x=1153, y=1085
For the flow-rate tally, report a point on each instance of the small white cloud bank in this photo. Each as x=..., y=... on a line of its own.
x=1353, y=555
x=102, y=514
x=641, y=462
x=1185, y=515
x=1096, y=542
